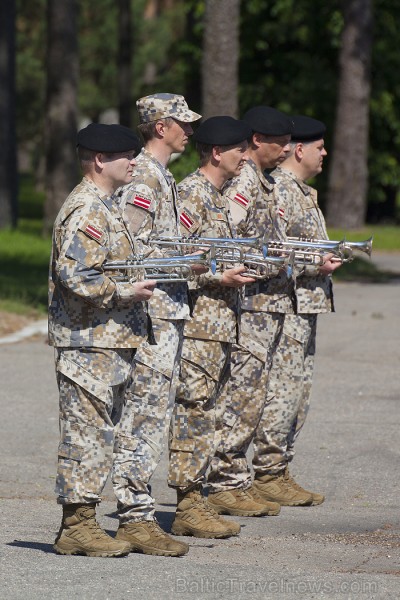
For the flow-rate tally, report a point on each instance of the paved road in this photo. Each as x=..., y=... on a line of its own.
x=349, y=547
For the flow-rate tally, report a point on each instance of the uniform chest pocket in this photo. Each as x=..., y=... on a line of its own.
x=220, y=225
x=119, y=241
x=306, y=224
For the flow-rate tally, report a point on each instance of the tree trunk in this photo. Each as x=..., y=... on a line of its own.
x=220, y=64
x=8, y=154
x=348, y=175
x=125, y=62
x=61, y=106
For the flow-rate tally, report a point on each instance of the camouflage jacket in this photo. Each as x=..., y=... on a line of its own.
x=149, y=206
x=86, y=307
x=204, y=213
x=301, y=216
x=252, y=205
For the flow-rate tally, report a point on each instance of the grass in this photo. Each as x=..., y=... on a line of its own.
x=24, y=256
x=362, y=270
x=385, y=237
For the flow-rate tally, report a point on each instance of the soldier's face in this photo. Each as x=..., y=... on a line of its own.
x=313, y=156
x=274, y=150
x=118, y=167
x=177, y=135
x=233, y=158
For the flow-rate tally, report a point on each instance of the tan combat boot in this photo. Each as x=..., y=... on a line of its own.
x=81, y=534
x=279, y=488
x=240, y=502
x=149, y=538
x=194, y=516
x=316, y=498
x=274, y=508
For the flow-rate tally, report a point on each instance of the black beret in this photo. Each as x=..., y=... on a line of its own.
x=108, y=138
x=307, y=129
x=268, y=120
x=222, y=131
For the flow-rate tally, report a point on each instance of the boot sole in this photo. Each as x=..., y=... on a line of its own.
x=185, y=530
x=154, y=552
x=95, y=553
x=236, y=512
x=317, y=502
x=283, y=502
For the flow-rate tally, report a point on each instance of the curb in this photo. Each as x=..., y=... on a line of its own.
x=33, y=329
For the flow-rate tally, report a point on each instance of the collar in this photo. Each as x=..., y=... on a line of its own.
x=305, y=188
x=215, y=194
x=165, y=172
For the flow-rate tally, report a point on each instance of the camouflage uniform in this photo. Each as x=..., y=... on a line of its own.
x=290, y=378
x=207, y=342
x=95, y=326
x=251, y=200
x=149, y=206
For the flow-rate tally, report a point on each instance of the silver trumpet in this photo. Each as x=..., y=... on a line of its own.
x=169, y=269
x=343, y=249
x=306, y=252
x=260, y=267
x=224, y=247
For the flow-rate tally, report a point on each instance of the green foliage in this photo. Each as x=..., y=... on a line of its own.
x=288, y=59
x=184, y=164
x=30, y=71
x=384, y=237
x=24, y=257
x=362, y=270
x=30, y=200
x=98, y=39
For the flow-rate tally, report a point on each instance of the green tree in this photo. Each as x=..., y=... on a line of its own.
x=61, y=105
x=8, y=159
x=348, y=176
x=220, y=62
x=125, y=62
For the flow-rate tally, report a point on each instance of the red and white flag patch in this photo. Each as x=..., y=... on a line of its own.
x=242, y=200
x=94, y=233
x=141, y=201
x=186, y=220
x=281, y=212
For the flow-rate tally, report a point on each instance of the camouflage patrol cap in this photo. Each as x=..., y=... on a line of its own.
x=161, y=106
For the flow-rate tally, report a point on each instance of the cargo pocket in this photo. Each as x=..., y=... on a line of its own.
x=70, y=451
x=83, y=378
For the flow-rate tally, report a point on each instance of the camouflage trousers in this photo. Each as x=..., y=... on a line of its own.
x=288, y=397
x=91, y=384
x=204, y=367
x=244, y=396
x=150, y=397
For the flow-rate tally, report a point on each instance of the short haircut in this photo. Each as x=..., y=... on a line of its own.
x=148, y=130
x=86, y=158
x=204, y=152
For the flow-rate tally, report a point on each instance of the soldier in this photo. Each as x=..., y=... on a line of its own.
x=291, y=375
x=95, y=325
x=149, y=205
x=293, y=213
x=222, y=146
x=251, y=201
